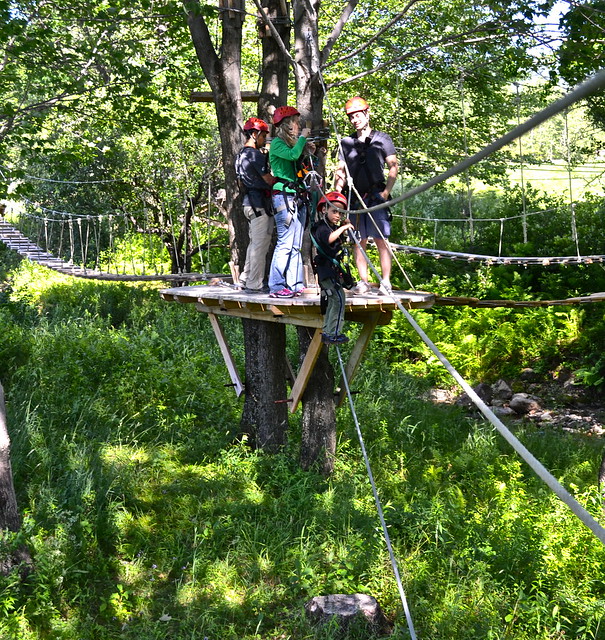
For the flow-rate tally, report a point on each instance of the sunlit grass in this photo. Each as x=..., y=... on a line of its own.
x=149, y=519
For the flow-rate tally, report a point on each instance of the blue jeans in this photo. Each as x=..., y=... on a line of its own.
x=287, y=264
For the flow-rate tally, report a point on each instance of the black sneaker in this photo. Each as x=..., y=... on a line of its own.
x=340, y=339
x=326, y=338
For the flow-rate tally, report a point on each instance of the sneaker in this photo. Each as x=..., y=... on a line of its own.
x=282, y=293
x=362, y=288
x=328, y=338
x=385, y=289
x=300, y=292
x=340, y=339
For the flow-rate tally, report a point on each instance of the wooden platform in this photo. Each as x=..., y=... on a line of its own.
x=303, y=310
x=369, y=310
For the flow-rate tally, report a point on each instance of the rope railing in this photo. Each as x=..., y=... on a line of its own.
x=115, y=271
x=543, y=261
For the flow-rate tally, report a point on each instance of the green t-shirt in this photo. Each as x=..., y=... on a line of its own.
x=283, y=161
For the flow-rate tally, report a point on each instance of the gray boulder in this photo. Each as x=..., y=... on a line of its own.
x=523, y=403
x=501, y=390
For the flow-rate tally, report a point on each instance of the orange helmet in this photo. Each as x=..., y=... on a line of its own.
x=284, y=112
x=355, y=104
x=256, y=124
x=333, y=196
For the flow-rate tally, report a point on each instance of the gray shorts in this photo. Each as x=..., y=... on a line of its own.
x=375, y=224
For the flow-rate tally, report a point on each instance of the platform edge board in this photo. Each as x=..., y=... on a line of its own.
x=314, y=321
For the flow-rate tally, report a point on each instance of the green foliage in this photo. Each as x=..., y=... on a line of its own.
x=147, y=519
x=146, y=516
x=581, y=53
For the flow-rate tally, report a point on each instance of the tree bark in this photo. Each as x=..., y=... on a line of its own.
x=265, y=414
x=9, y=514
x=10, y=518
x=274, y=87
x=318, y=433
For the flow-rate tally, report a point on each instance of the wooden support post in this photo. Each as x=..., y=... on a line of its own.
x=357, y=352
x=306, y=369
x=227, y=356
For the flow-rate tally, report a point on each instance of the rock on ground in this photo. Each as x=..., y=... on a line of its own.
x=346, y=608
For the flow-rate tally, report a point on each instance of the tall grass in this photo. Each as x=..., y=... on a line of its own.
x=149, y=518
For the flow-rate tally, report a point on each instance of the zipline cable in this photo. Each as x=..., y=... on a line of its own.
x=385, y=530
x=587, y=88
x=536, y=466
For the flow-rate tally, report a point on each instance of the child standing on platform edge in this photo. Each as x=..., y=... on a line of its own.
x=326, y=234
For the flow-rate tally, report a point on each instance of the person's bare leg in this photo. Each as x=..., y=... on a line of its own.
x=384, y=253
x=360, y=260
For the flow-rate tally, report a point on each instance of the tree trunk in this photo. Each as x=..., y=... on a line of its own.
x=264, y=418
x=224, y=76
x=318, y=443
x=9, y=513
x=265, y=414
x=318, y=439
x=274, y=88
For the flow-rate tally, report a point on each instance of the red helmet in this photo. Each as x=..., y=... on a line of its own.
x=333, y=196
x=256, y=124
x=355, y=104
x=284, y=112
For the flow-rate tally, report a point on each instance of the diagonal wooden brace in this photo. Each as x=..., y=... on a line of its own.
x=227, y=355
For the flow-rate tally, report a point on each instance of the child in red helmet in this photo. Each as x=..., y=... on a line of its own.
x=256, y=181
x=287, y=146
x=326, y=235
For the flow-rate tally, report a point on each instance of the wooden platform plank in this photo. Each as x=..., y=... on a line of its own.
x=263, y=307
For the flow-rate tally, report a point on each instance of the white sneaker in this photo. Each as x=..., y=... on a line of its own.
x=385, y=289
x=362, y=288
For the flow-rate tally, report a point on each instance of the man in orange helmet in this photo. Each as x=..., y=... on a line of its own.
x=361, y=169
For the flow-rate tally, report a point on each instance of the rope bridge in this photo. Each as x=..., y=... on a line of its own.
x=81, y=239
